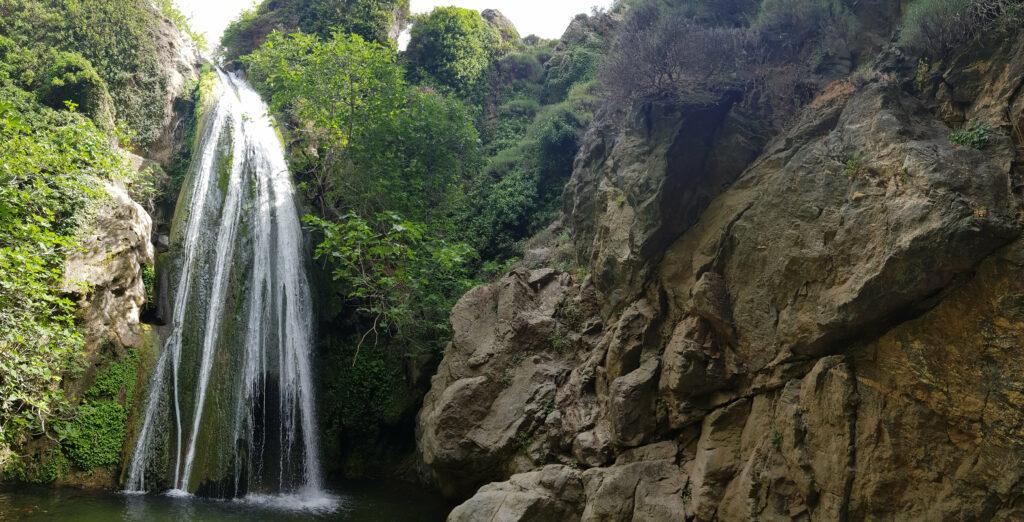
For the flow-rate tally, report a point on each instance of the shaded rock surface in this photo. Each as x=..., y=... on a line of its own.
x=820, y=324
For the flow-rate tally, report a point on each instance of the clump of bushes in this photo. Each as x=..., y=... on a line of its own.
x=71, y=42
x=95, y=437
x=940, y=26
x=94, y=433
x=72, y=78
x=451, y=47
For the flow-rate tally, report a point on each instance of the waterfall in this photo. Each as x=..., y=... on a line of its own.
x=230, y=410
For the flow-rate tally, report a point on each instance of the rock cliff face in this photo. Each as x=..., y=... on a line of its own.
x=819, y=324
x=106, y=272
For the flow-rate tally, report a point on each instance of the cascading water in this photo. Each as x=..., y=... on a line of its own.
x=230, y=410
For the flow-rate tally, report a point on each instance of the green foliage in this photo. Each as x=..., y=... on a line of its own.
x=451, y=48
x=339, y=86
x=116, y=380
x=72, y=78
x=364, y=391
x=373, y=20
x=573, y=65
x=116, y=37
x=149, y=281
x=519, y=190
x=370, y=19
x=379, y=144
x=976, y=134
x=402, y=278
x=96, y=434
x=49, y=164
x=243, y=35
x=855, y=166
x=40, y=468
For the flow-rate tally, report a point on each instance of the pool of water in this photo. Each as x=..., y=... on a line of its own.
x=366, y=502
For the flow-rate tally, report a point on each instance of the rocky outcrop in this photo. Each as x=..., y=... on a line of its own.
x=506, y=29
x=105, y=272
x=179, y=60
x=823, y=324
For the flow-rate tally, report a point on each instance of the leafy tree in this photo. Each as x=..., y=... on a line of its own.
x=374, y=20
x=380, y=145
x=451, y=47
x=402, y=277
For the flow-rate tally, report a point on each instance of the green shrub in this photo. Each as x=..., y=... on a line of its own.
x=976, y=134
x=95, y=436
x=576, y=64
x=40, y=468
x=855, y=166
x=520, y=66
x=72, y=78
x=451, y=47
x=116, y=379
x=364, y=391
x=373, y=20
x=117, y=37
x=519, y=108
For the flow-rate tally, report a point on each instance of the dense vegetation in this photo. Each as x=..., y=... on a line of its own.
x=374, y=20
x=73, y=42
x=425, y=171
x=938, y=27
x=76, y=79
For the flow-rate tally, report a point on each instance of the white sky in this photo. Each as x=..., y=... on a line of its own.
x=545, y=18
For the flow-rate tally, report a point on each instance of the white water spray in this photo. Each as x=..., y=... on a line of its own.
x=244, y=297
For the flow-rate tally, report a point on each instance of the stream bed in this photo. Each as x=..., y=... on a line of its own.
x=362, y=502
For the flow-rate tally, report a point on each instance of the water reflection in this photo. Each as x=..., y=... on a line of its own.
x=360, y=503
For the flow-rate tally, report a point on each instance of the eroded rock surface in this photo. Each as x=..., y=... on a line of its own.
x=826, y=324
x=105, y=272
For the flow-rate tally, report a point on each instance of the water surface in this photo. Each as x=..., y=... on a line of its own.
x=376, y=502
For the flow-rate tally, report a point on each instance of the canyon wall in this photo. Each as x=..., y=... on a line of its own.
x=820, y=323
